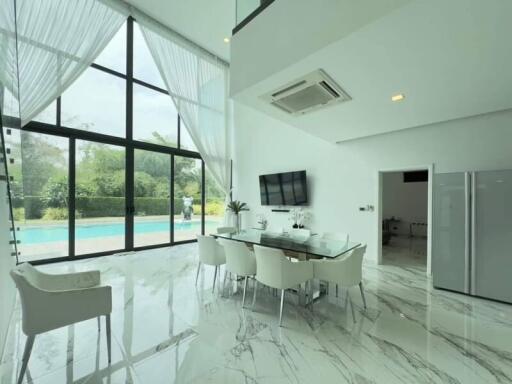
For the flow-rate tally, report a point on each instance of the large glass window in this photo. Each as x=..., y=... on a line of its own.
x=144, y=67
x=96, y=102
x=214, y=205
x=154, y=117
x=185, y=139
x=110, y=190
x=187, y=198
x=152, y=192
x=40, y=193
x=48, y=115
x=100, y=198
x=114, y=54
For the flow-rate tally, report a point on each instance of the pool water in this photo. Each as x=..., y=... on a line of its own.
x=47, y=234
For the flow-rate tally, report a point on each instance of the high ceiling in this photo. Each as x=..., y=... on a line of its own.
x=206, y=22
x=451, y=59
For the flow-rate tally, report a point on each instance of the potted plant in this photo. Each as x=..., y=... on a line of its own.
x=236, y=207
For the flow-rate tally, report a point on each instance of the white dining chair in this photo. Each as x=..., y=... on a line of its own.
x=210, y=253
x=223, y=230
x=240, y=260
x=274, y=270
x=340, y=236
x=52, y=301
x=346, y=272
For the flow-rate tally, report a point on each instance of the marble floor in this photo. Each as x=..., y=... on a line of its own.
x=165, y=330
x=405, y=251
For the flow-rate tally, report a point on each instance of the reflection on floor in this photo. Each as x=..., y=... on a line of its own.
x=406, y=251
x=166, y=330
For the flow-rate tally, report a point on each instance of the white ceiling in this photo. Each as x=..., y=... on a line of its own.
x=206, y=22
x=451, y=59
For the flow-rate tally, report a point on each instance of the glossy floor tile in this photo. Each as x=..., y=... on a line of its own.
x=167, y=330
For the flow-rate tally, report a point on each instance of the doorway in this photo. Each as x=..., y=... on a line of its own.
x=405, y=200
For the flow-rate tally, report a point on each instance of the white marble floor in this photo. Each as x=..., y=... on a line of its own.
x=165, y=330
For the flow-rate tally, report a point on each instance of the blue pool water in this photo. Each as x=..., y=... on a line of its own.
x=47, y=234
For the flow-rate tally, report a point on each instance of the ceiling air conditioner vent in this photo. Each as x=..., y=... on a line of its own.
x=310, y=92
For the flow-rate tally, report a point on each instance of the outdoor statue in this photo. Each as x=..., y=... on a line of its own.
x=188, y=210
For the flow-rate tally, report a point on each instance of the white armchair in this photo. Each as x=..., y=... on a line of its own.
x=240, y=260
x=276, y=271
x=345, y=272
x=52, y=301
x=210, y=253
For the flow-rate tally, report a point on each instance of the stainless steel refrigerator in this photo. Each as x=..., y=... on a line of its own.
x=472, y=233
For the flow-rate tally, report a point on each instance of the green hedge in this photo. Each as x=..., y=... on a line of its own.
x=100, y=206
x=34, y=206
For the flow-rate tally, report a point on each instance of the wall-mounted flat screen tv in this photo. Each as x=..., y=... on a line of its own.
x=288, y=188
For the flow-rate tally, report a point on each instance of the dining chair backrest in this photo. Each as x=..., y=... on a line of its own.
x=269, y=265
x=221, y=230
x=347, y=271
x=353, y=266
x=275, y=270
x=239, y=258
x=210, y=251
x=335, y=236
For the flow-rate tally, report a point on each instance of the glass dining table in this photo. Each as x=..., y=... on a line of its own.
x=313, y=247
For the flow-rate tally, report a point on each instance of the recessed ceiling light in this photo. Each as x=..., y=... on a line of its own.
x=226, y=40
x=398, y=97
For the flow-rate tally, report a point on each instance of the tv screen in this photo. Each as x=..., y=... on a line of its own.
x=288, y=188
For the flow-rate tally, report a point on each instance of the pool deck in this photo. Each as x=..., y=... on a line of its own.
x=41, y=251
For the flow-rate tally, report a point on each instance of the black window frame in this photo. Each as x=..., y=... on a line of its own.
x=129, y=144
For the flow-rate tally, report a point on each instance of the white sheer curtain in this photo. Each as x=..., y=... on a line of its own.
x=197, y=83
x=56, y=41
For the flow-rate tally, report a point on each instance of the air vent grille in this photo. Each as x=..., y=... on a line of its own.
x=306, y=94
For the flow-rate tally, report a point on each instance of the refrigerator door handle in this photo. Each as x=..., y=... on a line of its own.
x=473, y=233
x=467, y=231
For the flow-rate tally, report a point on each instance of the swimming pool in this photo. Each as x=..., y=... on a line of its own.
x=54, y=233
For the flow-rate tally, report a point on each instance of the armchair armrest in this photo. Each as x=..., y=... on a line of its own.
x=47, y=310
x=69, y=281
x=329, y=270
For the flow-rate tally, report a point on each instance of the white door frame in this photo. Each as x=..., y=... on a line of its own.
x=380, y=172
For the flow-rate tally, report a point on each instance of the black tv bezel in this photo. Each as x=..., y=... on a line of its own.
x=306, y=203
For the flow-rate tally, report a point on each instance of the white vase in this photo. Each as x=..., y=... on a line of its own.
x=238, y=222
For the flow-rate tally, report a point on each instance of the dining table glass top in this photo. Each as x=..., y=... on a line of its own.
x=313, y=246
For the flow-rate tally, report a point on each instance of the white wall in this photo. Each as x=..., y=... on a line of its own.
x=405, y=201
x=261, y=49
x=7, y=289
x=344, y=176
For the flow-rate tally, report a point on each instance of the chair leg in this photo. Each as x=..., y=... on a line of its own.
x=198, y=268
x=26, y=356
x=245, y=288
x=336, y=290
x=99, y=323
x=281, y=309
x=109, y=338
x=254, y=293
x=214, y=278
x=351, y=307
x=362, y=294
x=224, y=283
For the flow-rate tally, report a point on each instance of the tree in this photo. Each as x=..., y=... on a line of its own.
x=55, y=192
